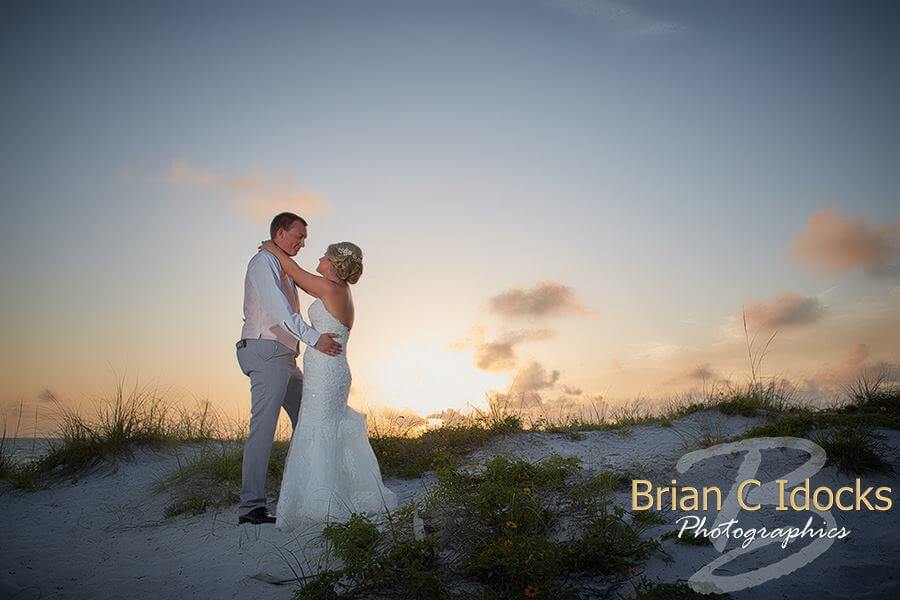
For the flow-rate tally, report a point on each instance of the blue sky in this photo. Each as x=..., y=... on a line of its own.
x=657, y=159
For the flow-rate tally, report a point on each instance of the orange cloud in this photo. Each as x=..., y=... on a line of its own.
x=545, y=299
x=837, y=244
x=257, y=195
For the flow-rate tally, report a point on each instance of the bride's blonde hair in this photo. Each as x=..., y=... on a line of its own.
x=346, y=261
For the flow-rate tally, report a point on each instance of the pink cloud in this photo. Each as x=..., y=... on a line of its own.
x=257, y=195
x=838, y=244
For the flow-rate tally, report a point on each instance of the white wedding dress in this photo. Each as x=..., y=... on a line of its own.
x=331, y=469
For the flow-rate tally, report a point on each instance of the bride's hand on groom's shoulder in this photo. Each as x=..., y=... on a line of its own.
x=270, y=246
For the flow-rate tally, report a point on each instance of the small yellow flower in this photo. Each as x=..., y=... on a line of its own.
x=489, y=552
x=531, y=591
x=384, y=452
x=527, y=490
x=507, y=542
x=511, y=524
x=528, y=560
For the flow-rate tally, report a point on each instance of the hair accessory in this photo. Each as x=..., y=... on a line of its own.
x=344, y=251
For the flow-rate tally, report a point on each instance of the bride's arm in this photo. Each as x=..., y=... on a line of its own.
x=314, y=285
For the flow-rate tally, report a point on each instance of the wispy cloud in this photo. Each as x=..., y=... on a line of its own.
x=621, y=15
x=656, y=350
x=544, y=299
x=837, y=244
x=257, y=194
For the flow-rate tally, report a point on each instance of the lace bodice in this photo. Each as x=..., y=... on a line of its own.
x=325, y=322
x=326, y=379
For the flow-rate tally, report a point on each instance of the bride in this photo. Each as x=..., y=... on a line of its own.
x=331, y=470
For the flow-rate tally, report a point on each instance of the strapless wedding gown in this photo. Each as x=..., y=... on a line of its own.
x=331, y=469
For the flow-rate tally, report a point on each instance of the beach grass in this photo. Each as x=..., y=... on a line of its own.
x=869, y=403
x=128, y=419
x=7, y=467
x=210, y=477
x=853, y=449
x=409, y=457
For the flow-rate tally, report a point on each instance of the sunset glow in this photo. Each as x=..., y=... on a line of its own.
x=577, y=200
x=429, y=379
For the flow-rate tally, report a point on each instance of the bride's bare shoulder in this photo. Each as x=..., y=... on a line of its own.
x=339, y=303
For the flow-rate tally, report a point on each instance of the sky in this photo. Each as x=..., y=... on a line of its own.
x=572, y=200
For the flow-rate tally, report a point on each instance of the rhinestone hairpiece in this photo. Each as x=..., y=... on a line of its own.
x=344, y=251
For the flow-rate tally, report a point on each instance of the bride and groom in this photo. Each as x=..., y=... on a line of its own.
x=331, y=470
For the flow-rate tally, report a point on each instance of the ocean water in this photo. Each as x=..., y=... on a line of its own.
x=23, y=450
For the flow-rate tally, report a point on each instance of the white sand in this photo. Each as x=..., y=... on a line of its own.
x=105, y=537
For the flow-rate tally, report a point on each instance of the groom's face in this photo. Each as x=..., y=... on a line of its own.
x=291, y=239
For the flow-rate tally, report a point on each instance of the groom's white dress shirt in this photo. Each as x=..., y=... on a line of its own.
x=271, y=305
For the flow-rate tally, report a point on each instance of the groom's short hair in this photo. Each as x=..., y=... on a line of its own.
x=284, y=221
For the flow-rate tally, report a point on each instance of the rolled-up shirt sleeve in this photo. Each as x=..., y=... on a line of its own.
x=266, y=278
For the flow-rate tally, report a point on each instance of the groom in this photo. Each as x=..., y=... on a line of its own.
x=267, y=354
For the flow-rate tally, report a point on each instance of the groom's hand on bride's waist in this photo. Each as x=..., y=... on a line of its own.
x=327, y=345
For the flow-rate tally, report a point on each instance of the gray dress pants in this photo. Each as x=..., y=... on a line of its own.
x=275, y=382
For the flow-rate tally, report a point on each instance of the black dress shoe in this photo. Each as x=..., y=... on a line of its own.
x=257, y=516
